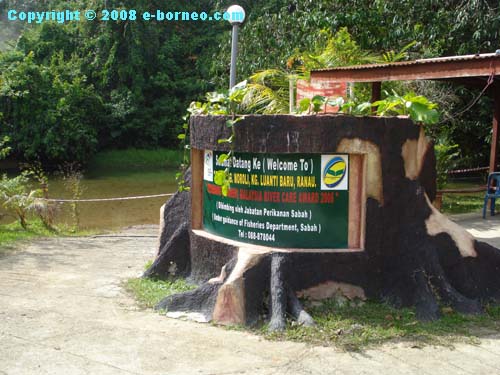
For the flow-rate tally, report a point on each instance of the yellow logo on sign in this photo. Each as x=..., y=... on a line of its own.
x=334, y=172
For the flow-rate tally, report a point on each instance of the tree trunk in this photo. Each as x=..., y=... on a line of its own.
x=412, y=255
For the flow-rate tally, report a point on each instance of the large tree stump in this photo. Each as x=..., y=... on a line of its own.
x=410, y=255
x=173, y=249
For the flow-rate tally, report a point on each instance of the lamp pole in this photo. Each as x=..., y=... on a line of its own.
x=236, y=18
x=234, y=55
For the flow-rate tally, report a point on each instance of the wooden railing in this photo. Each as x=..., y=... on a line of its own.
x=478, y=189
x=439, y=196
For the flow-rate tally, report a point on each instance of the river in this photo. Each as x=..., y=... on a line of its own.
x=117, y=214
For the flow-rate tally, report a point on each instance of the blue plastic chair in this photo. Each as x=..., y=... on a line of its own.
x=492, y=192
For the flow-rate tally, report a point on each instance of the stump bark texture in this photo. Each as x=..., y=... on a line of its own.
x=412, y=255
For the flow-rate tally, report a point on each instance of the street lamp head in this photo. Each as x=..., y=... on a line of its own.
x=236, y=15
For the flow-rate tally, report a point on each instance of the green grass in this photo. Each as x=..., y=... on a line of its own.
x=462, y=203
x=148, y=292
x=12, y=233
x=370, y=324
x=135, y=160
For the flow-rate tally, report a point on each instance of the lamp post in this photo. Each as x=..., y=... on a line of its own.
x=236, y=18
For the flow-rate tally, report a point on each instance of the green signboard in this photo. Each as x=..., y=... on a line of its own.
x=279, y=200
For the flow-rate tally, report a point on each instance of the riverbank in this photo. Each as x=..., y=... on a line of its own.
x=11, y=234
x=133, y=160
x=115, y=174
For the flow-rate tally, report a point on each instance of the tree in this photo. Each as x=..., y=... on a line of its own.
x=148, y=72
x=278, y=29
x=46, y=109
x=412, y=254
x=135, y=78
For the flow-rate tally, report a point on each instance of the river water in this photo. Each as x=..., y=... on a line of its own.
x=117, y=214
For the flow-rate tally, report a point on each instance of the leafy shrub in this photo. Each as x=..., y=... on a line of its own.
x=17, y=198
x=49, y=113
x=446, y=155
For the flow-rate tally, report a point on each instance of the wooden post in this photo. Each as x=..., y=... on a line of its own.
x=197, y=188
x=376, y=93
x=357, y=199
x=494, y=135
x=292, y=95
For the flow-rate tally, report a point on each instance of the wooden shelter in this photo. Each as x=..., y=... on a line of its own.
x=480, y=71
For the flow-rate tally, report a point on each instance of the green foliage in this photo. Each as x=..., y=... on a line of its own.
x=4, y=149
x=333, y=51
x=17, y=198
x=391, y=56
x=216, y=103
x=86, y=86
x=226, y=103
x=46, y=109
x=223, y=103
x=99, y=85
x=180, y=176
x=318, y=102
x=282, y=27
x=278, y=29
x=46, y=209
x=419, y=108
x=265, y=92
x=446, y=155
x=268, y=92
x=471, y=129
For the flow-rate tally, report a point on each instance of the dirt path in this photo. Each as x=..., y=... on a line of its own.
x=63, y=311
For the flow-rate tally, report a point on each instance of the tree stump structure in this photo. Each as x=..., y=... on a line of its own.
x=401, y=249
